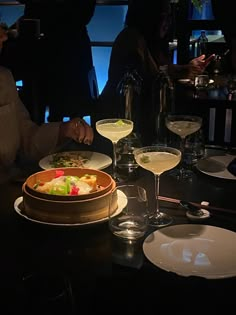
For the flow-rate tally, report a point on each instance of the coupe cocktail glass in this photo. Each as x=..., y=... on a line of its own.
x=114, y=129
x=158, y=159
x=183, y=126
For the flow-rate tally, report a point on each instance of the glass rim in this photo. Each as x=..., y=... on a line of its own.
x=129, y=186
x=151, y=147
x=184, y=116
x=135, y=190
x=114, y=119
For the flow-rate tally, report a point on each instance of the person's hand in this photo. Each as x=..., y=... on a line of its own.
x=78, y=130
x=198, y=65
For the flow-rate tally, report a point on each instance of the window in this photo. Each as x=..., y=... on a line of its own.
x=105, y=25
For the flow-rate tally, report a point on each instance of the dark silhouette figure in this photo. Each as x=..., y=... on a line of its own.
x=143, y=45
x=21, y=54
x=225, y=16
x=66, y=56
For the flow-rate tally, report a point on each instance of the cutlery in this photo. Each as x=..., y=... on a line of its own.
x=194, y=210
x=211, y=208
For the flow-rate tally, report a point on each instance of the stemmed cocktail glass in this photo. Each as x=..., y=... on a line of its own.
x=183, y=126
x=114, y=129
x=158, y=159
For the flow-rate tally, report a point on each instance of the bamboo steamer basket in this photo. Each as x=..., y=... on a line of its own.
x=104, y=181
x=69, y=211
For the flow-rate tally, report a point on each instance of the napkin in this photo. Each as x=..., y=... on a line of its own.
x=232, y=167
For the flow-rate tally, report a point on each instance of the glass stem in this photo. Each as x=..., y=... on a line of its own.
x=182, y=149
x=114, y=160
x=157, y=189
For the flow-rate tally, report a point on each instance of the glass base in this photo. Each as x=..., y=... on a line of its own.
x=118, y=178
x=160, y=219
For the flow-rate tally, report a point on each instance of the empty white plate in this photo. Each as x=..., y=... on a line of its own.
x=193, y=250
x=216, y=166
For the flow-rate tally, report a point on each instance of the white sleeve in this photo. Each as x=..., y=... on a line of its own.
x=35, y=141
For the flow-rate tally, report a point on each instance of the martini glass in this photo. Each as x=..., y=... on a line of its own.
x=114, y=129
x=158, y=159
x=183, y=126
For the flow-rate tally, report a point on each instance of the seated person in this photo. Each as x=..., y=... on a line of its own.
x=225, y=16
x=65, y=50
x=143, y=45
x=20, y=135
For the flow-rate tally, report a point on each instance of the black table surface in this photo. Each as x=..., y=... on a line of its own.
x=91, y=267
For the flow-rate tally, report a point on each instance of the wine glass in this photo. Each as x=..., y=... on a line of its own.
x=158, y=159
x=114, y=129
x=201, y=84
x=183, y=126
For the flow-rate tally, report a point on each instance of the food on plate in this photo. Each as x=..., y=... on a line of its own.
x=64, y=199
x=67, y=160
x=68, y=185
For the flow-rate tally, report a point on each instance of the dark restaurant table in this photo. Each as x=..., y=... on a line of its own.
x=69, y=270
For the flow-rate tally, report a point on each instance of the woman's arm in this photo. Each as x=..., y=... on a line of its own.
x=37, y=141
x=195, y=67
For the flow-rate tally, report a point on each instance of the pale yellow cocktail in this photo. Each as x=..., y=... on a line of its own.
x=183, y=128
x=158, y=162
x=114, y=130
x=158, y=159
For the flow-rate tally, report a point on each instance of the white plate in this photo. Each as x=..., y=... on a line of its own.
x=216, y=166
x=19, y=208
x=193, y=250
x=95, y=160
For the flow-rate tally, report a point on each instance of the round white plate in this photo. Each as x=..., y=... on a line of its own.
x=95, y=160
x=19, y=208
x=216, y=166
x=193, y=250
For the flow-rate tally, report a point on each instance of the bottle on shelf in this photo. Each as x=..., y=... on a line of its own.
x=166, y=104
x=202, y=44
x=129, y=89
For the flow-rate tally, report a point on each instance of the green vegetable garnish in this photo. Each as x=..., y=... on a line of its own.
x=36, y=185
x=59, y=190
x=145, y=159
x=119, y=122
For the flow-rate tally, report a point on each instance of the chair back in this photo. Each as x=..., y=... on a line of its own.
x=219, y=121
